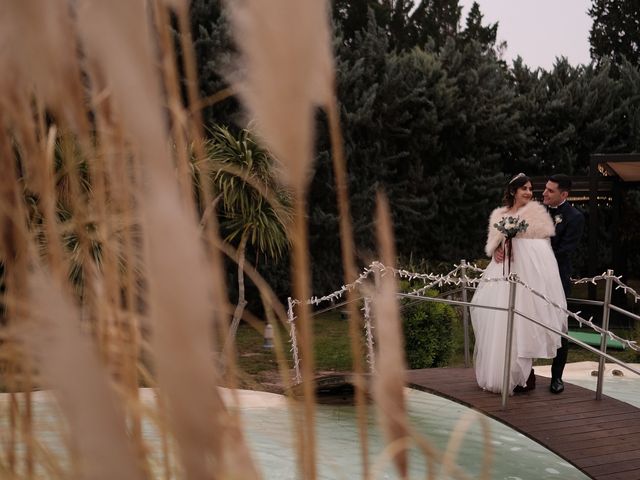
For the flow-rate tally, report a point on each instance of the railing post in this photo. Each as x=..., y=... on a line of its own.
x=294, y=339
x=603, y=336
x=465, y=313
x=507, y=354
x=371, y=359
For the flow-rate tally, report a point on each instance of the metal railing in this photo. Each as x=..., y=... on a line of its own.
x=460, y=278
x=606, y=304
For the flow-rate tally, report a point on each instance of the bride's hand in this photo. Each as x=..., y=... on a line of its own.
x=498, y=254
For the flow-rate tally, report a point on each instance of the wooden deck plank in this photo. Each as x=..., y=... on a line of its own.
x=601, y=449
x=579, y=426
x=599, y=437
x=594, y=446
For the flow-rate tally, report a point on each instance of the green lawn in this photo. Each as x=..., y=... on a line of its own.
x=331, y=341
x=258, y=366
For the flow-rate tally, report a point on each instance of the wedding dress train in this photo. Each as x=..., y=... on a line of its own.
x=535, y=264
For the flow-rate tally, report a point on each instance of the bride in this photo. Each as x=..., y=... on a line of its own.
x=532, y=259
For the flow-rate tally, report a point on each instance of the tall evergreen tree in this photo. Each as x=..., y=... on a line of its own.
x=615, y=33
x=351, y=16
x=436, y=20
x=570, y=113
x=214, y=50
x=627, y=125
x=432, y=115
x=483, y=132
x=407, y=24
x=485, y=35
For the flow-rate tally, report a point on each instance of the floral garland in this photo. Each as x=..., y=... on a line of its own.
x=368, y=328
x=458, y=276
x=620, y=285
x=632, y=344
x=451, y=278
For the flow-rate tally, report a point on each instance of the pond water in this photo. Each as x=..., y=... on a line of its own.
x=267, y=425
x=514, y=455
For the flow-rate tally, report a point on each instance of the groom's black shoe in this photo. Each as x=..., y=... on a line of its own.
x=557, y=386
x=531, y=384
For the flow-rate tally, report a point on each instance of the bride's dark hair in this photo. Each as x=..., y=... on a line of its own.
x=512, y=187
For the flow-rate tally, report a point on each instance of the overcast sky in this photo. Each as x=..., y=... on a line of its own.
x=539, y=30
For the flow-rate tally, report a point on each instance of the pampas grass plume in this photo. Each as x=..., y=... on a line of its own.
x=390, y=378
x=287, y=72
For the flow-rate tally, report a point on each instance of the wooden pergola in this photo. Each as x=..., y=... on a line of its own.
x=622, y=169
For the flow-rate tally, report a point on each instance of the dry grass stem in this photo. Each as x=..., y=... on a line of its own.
x=217, y=97
x=179, y=127
x=350, y=274
x=301, y=289
x=203, y=174
x=43, y=63
x=391, y=451
x=435, y=458
x=286, y=60
x=114, y=277
x=390, y=378
x=180, y=283
x=67, y=361
x=131, y=217
x=455, y=441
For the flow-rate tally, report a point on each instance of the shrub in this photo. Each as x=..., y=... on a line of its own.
x=428, y=332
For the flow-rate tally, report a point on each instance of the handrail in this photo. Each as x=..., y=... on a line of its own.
x=506, y=374
x=581, y=344
x=465, y=314
x=450, y=302
x=602, y=353
x=458, y=277
x=625, y=312
x=584, y=301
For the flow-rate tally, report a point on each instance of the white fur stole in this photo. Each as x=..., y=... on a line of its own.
x=536, y=215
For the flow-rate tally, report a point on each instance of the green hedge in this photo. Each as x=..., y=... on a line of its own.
x=428, y=332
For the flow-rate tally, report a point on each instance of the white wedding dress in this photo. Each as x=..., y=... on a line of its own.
x=535, y=264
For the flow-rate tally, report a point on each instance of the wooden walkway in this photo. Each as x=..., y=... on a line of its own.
x=599, y=437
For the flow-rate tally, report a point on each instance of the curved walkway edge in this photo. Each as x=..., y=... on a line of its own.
x=599, y=437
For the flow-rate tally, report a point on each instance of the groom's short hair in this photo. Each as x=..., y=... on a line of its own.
x=563, y=181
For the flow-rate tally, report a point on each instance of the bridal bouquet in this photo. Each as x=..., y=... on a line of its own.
x=511, y=226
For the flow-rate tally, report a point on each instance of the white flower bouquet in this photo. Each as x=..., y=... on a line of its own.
x=511, y=226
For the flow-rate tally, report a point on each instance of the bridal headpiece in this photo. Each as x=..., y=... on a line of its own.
x=520, y=175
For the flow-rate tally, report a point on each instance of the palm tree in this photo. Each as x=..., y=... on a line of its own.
x=255, y=207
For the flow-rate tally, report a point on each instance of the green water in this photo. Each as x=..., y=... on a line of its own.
x=268, y=432
x=514, y=455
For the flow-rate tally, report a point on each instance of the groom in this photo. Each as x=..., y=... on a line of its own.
x=569, y=224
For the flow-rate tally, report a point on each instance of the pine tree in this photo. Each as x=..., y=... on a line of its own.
x=433, y=116
x=407, y=24
x=214, y=50
x=615, y=33
x=351, y=16
x=436, y=21
x=485, y=35
x=627, y=125
x=480, y=136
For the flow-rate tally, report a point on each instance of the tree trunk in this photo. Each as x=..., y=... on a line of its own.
x=242, y=303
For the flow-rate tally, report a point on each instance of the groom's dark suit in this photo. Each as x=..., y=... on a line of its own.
x=569, y=224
